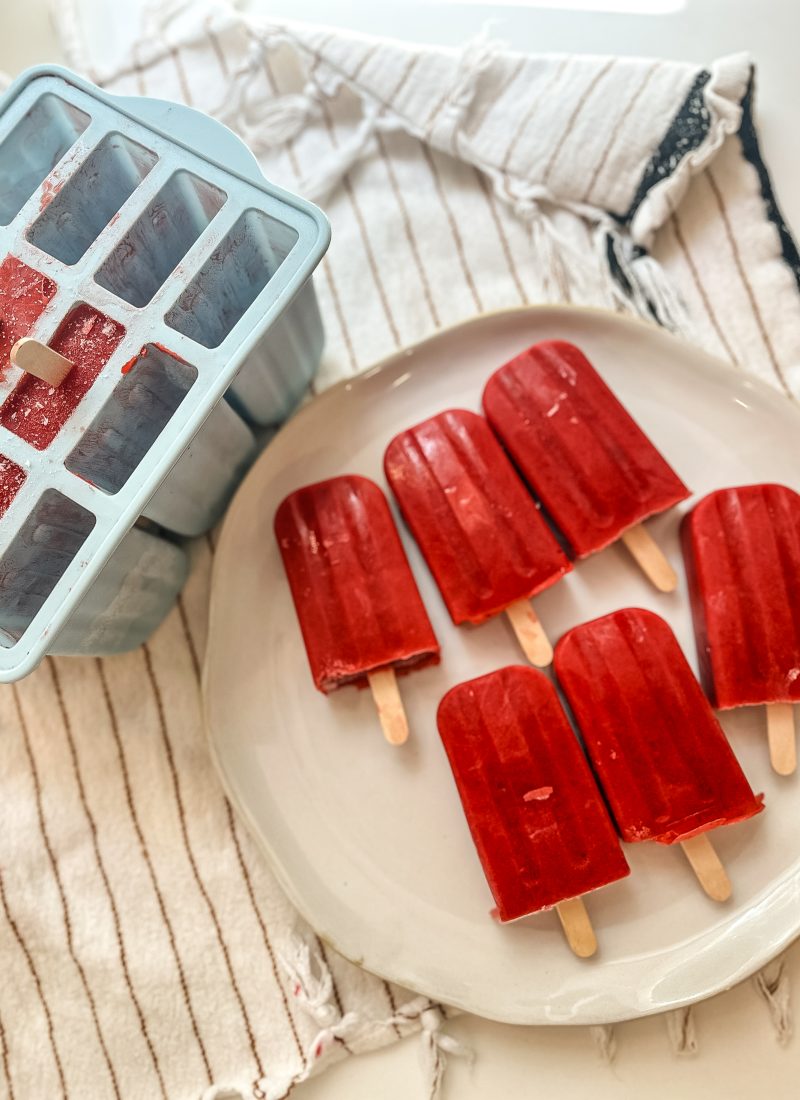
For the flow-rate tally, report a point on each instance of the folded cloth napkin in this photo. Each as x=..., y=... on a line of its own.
x=145, y=948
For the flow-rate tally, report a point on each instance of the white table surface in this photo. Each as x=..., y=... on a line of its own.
x=739, y=1057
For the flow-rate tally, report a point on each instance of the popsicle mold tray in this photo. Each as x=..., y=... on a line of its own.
x=139, y=239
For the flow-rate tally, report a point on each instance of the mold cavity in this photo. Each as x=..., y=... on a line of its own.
x=35, y=410
x=37, y=558
x=91, y=197
x=232, y=278
x=132, y=419
x=33, y=149
x=160, y=238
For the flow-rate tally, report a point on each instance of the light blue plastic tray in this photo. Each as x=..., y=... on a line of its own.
x=158, y=217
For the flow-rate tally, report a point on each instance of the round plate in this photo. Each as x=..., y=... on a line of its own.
x=369, y=841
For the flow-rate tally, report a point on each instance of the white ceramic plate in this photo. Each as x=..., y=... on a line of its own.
x=369, y=841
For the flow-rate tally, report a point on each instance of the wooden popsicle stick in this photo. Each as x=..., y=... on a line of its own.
x=780, y=734
x=706, y=864
x=38, y=359
x=650, y=558
x=391, y=714
x=530, y=633
x=577, y=927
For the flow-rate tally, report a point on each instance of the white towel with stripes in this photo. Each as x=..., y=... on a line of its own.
x=145, y=949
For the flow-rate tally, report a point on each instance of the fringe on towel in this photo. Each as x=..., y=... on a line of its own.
x=772, y=984
x=475, y=58
x=605, y=1040
x=312, y=984
x=681, y=1032
x=279, y=120
x=640, y=281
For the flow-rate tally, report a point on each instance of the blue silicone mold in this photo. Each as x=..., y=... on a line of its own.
x=159, y=218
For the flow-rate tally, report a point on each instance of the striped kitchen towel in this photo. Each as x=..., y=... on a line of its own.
x=145, y=948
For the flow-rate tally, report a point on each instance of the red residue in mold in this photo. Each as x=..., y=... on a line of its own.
x=24, y=293
x=36, y=411
x=12, y=478
x=50, y=189
x=168, y=351
x=127, y=367
x=86, y=480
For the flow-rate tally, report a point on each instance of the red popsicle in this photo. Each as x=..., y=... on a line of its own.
x=742, y=552
x=360, y=611
x=661, y=757
x=24, y=294
x=37, y=411
x=587, y=460
x=538, y=821
x=482, y=535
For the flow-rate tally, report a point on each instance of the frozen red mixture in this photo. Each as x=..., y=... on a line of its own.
x=657, y=749
x=24, y=294
x=356, y=599
x=537, y=819
x=12, y=478
x=583, y=455
x=35, y=410
x=479, y=529
x=742, y=552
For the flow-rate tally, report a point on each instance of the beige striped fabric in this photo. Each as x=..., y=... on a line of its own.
x=145, y=948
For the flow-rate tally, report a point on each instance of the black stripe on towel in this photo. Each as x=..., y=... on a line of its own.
x=752, y=153
x=622, y=277
x=615, y=267
x=687, y=130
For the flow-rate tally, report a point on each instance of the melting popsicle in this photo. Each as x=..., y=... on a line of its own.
x=583, y=455
x=481, y=534
x=658, y=751
x=360, y=611
x=742, y=552
x=538, y=821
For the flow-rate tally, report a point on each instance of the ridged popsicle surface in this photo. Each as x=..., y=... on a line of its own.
x=481, y=533
x=742, y=552
x=659, y=753
x=356, y=599
x=584, y=456
x=538, y=821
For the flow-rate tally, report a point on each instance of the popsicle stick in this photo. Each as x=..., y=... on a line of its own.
x=650, y=558
x=391, y=714
x=780, y=734
x=530, y=633
x=706, y=864
x=38, y=359
x=577, y=927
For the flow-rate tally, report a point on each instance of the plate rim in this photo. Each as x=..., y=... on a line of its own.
x=756, y=961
